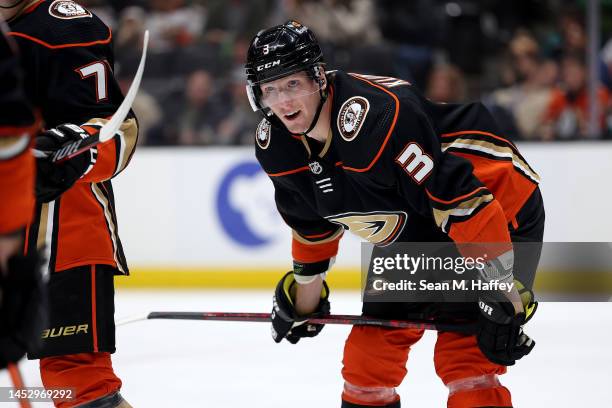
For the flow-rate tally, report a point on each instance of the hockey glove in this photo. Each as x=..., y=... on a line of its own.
x=500, y=336
x=285, y=321
x=22, y=307
x=53, y=179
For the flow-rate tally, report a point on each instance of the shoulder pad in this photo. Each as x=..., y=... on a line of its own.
x=61, y=24
x=363, y=118
x=278, y=152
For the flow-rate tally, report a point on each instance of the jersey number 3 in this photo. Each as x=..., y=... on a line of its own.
x=99, y=70
x=415, y=162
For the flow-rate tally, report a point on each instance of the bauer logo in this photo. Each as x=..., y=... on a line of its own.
x=245, y=205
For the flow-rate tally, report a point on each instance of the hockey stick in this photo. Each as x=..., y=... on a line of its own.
x=108, y=130
x=18, y=384
x=466, y=328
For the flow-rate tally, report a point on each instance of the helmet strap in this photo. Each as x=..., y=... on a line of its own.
x=322, y=100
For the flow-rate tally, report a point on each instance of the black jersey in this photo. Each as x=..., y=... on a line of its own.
x=396, y=167
x=68, y=61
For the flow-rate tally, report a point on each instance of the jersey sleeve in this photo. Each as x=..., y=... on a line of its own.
x=80, y=88
x=315, y=240
x=443, y=185
x=18, y=124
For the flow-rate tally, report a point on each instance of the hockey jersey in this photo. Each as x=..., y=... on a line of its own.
x=395, y=167
x=68, y=60
x=17, y=125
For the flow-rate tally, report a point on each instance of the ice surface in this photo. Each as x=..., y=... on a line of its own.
x=235, y=365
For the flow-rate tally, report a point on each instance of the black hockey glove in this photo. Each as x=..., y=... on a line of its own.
x=500, y=336
x=285, y=322
x=23, y=307
x=53, y=179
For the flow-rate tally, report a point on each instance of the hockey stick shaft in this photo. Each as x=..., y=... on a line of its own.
x=110, y=128
x=467, y=328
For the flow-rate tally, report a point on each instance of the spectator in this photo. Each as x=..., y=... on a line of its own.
x=567, y=113
x=526, y=100
x=237, y=126
x=145, y=107
x=173, y=24
x=128, y=38
x=191, y=117
x=446, y=84
x=347, y=23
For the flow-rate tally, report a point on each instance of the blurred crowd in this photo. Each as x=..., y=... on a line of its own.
x=525, y=60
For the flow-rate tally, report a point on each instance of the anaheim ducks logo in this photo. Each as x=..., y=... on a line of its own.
x=351, y=117
x=67, y=10
x=377, y=227
x=262, y=134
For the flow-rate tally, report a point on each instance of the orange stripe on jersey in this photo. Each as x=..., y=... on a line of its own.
x=508, y=186
x=59, y=46
x=285, y=173
x=454, y=200
x=308, y=253
x=94, y=316
x=488, y=225
x=315, y=236
x=83, y=237
x=391, y=128
x=17, y=192
x=105, y=165
x=32, y=7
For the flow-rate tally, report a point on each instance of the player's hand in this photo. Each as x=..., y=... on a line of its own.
x=53, y=179
x=22, y=307
x=285, y=321
x=500, y=336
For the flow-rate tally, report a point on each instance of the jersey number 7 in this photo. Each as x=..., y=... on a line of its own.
x=99, y=70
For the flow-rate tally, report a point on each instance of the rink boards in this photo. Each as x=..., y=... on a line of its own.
x=205, y=217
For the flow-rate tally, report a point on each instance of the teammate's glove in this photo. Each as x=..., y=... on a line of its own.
x=500, y=336
x=53, y=179
x=22, y=307
x=285, y=321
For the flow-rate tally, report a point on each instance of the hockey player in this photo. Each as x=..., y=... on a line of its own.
x=21, y=288
x=371, y=155
x=68, y=61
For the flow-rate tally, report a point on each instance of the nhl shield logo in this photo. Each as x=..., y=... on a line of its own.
x=315, y=167
x=351, y=117
x=262, y=135
x=66, y=10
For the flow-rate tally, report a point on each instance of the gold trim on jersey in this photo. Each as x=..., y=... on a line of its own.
x=129, y=130
x=110, y=222
x=126, y=137
x=327, y=143
x=493, y=150
x=13, y=146
x=464, y=209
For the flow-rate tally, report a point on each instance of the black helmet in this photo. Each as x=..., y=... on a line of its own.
x=280, y=51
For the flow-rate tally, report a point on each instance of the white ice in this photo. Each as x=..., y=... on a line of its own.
x=236, y=365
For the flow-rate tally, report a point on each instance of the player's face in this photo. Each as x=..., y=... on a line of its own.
x=293, y=99
x=10, y=8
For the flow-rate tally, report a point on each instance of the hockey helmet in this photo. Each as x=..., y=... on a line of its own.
x=278, y=52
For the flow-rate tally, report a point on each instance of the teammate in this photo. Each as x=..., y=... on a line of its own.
x=68, y=62
x=22, y=309
x=371, y=155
